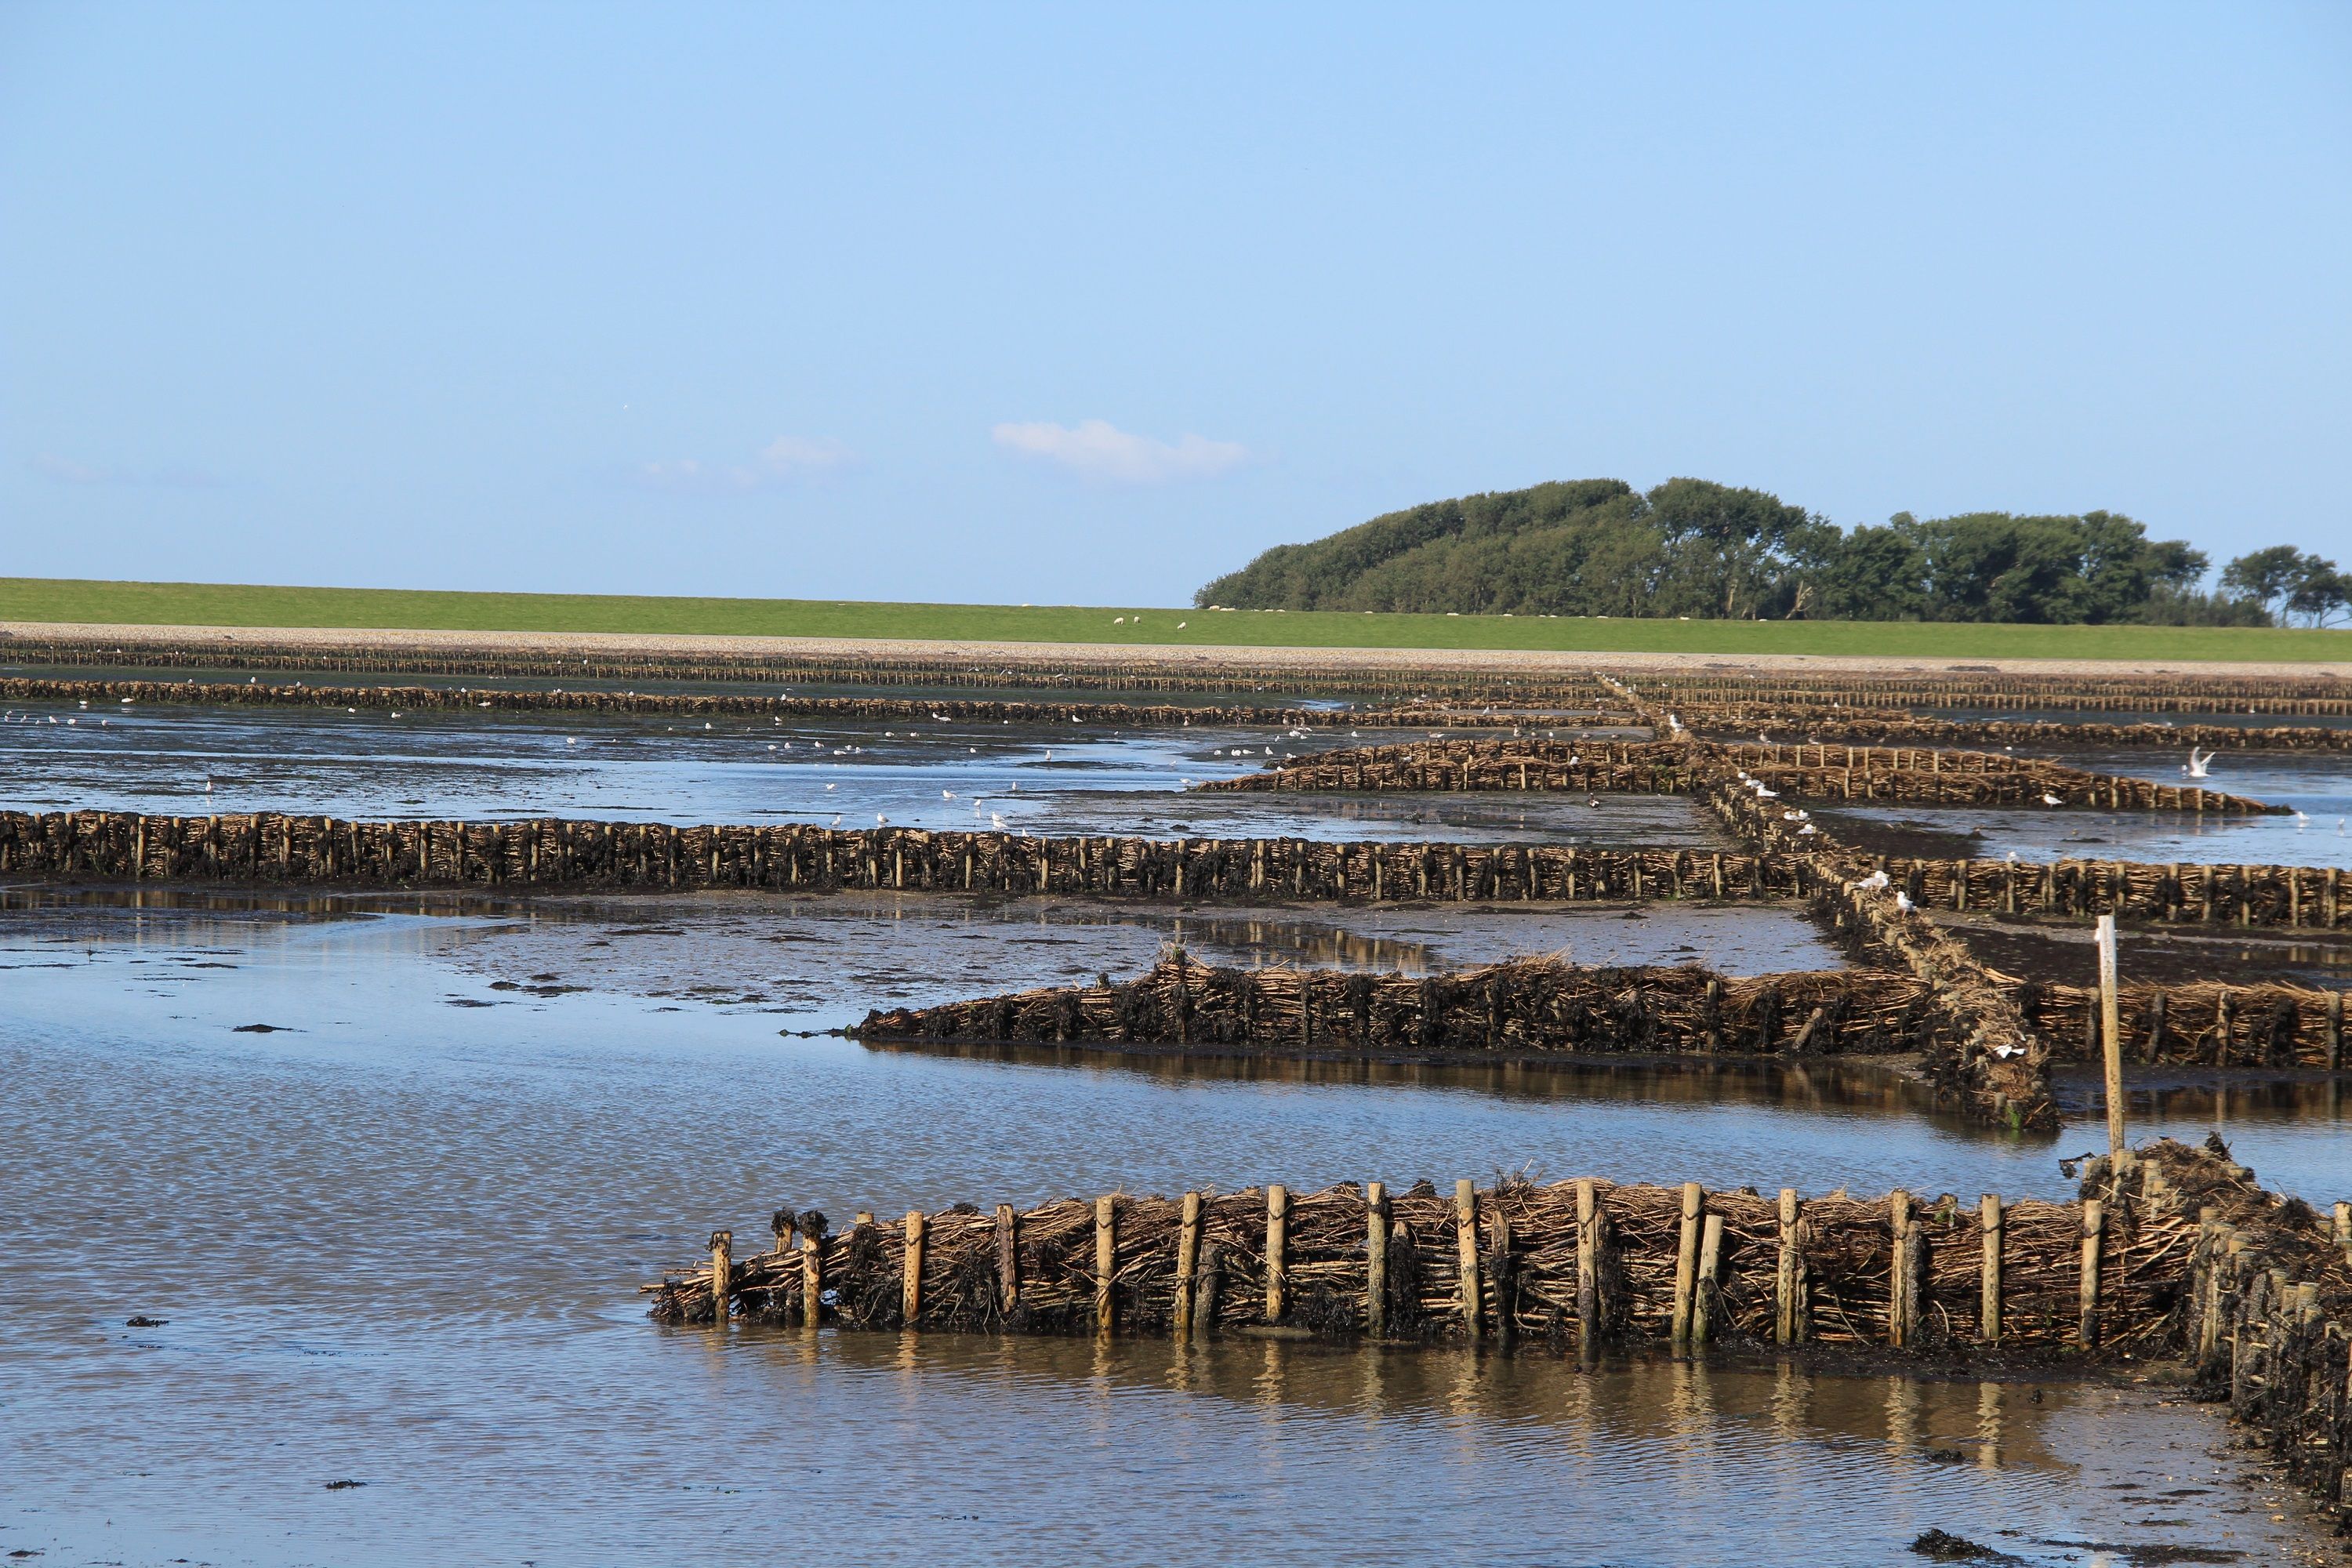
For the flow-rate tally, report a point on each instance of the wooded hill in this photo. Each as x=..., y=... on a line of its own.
x=1694, y=548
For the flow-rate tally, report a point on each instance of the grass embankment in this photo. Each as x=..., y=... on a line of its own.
x=236, y=605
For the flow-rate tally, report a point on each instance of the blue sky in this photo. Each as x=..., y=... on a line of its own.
x=1089, y=303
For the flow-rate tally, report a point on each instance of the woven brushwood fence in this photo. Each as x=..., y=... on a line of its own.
x=270, y=848
x=121, y=694
x=1812, y=726
x=1536, y=1006
x=1586, y=1263
x=1811, y=774
x=2294, y=897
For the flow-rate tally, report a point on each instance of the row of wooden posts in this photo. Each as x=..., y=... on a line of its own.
x=2067, y=1242
x=117, y=696
x=1212, y=670
x=1811, y=774
x=277, y=847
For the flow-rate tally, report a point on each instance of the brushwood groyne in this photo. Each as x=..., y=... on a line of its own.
x=2166, y=1253
x=115, y=695
x=1583, y=1265
x=1561, y=680
x=292, y=850
x=1544, y=1007
x=1810, y=773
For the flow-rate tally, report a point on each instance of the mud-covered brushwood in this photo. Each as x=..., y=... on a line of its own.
x=1535, y=1006
x=1812, y=774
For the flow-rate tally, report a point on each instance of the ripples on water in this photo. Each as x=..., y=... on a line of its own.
x=397, y=1239
x=398, y=1242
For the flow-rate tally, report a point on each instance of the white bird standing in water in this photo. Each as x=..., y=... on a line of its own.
x=2301, y=821
x=996, y=822
x=946, y=795
x=2195, y=765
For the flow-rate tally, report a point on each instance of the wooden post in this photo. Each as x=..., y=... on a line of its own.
x=2094, y=1223
x=1376, y=1259
x=1898, y=1275
x=910, y=1291
x=1588, y=1266
x=1685, y=1267
x=2343, y=1225
x=1466, y=1250
x=811, y=1281
x=2111, y=1041
x=2334, y=1028
x=1008, y=1258
x=1988, y=1302
x=1106, y=1257
x=1278, y=1237
x=1188, y=1259
x=1710, y=1261
x=1787, y=1327
x=722, y=1273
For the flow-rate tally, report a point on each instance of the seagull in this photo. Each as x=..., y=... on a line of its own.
x=1872, y=882
x=574, y=740
x=2195, y=765
x=1181, y=624
x=2049, y=799
x=946, y=795
x=833, y=786
x=2301, y=821
x=880, y=820
x=836, y=819
x=1903, y=900
x=996, y=822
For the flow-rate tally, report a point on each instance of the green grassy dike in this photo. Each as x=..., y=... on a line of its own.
x=236, y=605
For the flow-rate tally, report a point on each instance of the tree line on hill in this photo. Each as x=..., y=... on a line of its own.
x=1696, y=549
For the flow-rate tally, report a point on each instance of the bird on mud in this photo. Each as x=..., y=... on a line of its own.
x=2049, y=799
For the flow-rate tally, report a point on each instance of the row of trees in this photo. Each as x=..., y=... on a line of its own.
x=1690, y=547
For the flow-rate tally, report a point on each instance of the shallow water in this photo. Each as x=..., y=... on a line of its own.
x=1033, y=778
x=397, y=1243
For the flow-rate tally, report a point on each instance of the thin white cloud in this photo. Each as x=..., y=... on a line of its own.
x=1101, y=450
x=785, y=458
x=66, y=471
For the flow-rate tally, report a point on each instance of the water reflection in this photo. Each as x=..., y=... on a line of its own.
x=1038, y=779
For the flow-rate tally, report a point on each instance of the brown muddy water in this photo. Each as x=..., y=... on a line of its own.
x=395, y=1241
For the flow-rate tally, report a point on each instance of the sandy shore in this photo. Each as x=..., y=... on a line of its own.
x=136, y=640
